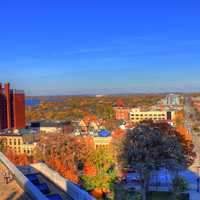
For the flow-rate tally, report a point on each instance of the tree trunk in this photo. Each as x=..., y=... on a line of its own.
x=145, y=186
x=143, y=191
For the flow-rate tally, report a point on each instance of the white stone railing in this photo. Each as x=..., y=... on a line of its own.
x=70, y=188
x=26, y=185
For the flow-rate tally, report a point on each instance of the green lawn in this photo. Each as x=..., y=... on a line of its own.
x=161, y=196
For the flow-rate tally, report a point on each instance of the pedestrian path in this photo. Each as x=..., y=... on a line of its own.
x=191, y=176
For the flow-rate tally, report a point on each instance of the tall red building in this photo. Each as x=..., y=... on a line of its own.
x=12, y=108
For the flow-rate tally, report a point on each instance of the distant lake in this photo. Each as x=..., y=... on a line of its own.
x=35, y=102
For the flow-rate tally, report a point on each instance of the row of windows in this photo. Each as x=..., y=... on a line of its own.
x=161, y=118
x=102, y=145
x=147, y=115
x=14, y=141
x=26, y=151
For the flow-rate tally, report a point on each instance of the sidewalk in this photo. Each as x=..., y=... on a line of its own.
x=191, y=177
x=194, y=195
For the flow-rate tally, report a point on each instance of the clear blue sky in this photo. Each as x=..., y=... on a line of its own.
x=105, y=46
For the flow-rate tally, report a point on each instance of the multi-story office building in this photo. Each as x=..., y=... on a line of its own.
x=172, y=100
x=137, y=115
x=12, y=108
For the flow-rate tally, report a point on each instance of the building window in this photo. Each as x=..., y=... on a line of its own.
x=15, y=142
x=10, y=141
x=19, y=142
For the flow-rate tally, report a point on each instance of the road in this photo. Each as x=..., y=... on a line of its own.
x=189, y=111
x=192, y=174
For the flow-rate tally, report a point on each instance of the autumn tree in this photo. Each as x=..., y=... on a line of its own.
x=117, y=137
x=152, y=146
x=17, y=159
x=179, y=118
x=119, y=103
x=64, y=153
x=103, y=173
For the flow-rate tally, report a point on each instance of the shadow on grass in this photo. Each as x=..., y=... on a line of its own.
x=166, y=196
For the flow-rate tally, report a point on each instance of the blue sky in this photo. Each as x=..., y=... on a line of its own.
x=52, y=47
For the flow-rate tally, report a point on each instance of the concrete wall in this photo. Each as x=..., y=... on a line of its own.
x=27, y=186
x=70, y=188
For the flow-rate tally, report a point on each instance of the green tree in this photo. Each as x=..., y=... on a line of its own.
x=102, y=160
x=151, y=146
x=179, y=185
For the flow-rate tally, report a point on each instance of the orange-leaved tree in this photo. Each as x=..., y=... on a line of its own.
x=64, y=153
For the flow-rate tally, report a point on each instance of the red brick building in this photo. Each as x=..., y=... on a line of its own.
x=122, y=113
x=12, y=108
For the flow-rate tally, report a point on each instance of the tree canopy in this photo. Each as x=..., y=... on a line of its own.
x=152, y=146
x=64, y=153
x=102, y=161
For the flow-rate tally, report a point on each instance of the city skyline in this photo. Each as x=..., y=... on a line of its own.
x=65, y=48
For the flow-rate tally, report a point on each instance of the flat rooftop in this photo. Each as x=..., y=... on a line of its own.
x=49, y=123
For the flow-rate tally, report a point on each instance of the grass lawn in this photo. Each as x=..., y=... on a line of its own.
x=161, y=196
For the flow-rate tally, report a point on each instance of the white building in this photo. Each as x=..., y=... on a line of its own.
x=137, y=115
x=172, y=100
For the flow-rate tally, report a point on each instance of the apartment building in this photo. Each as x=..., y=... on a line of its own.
x=19, y=142
x=137, y=115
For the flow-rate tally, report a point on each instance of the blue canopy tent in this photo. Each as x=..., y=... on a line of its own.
x=103, y=133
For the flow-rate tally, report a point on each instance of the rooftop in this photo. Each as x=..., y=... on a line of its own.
x=17, y=132
x=48, y=123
